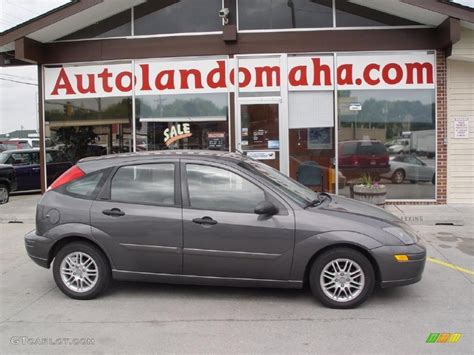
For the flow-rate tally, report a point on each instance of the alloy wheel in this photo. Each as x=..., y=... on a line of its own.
x=79, y=272
x=342, y=280
x=3, y=195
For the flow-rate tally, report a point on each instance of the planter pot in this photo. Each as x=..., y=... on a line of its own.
x=371, y=194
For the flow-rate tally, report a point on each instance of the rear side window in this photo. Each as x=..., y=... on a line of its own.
x=144, y=184
x=348, y=148
x=85, y=186
x=380, y=149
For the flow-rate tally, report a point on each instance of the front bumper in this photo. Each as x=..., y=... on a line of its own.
x=38, y=248
x=395, y=273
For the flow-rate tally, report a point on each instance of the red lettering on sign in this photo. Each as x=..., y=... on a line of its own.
x=319, y=69
x=419, y=68
x=119, y=81
x=80, y=85
x=62, y=83
x=269, y=73
x=145, y=77
x=386, y=73
x=218, y=82
x=302, y=79
x=169, y=84
x=344, y=74
x=105, y=75
x=185, y=73
x=366, y=74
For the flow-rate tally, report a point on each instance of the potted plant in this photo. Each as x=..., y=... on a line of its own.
x=371, y=191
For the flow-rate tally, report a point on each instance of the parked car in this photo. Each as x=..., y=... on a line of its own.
x=27, y=167
x=409, y=167
x=31, y=142
x=364, y=157
x=14, y=144
x=7, y=182
x=214, y=218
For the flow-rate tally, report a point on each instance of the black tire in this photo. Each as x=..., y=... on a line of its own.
x=103, y=268
x=398, y=176
x=433, y=179
x=4, y=190
x=332, y=255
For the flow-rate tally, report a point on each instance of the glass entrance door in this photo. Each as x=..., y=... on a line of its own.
x=260, y=133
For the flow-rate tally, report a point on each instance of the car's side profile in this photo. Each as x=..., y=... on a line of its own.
x=411, y=168
x=27, y=166
x=215, y=219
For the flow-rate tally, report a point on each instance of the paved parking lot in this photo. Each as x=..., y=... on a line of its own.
x=139, y=317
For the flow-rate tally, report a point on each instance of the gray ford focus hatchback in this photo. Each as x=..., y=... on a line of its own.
x=215, y=218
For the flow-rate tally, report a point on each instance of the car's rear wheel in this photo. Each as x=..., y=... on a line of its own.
x=4, y=194
x=433, y=179
x=342, y=278
x=81, y=271
x=398, y=176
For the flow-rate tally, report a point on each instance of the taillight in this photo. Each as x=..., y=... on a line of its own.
x=68, y=176
x=354, y=160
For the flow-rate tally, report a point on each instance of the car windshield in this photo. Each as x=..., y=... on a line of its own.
x=3, y=158
x=296, y=191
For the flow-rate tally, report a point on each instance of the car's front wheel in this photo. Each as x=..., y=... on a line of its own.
x=4, y=194
x=81, y=271
x=342, y=278
x=398, y=176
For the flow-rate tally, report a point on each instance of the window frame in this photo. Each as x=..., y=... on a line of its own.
x=106, y=192
x=282, y=208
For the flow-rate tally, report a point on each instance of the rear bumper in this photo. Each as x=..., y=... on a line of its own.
x=394, y=273
x=38, y=248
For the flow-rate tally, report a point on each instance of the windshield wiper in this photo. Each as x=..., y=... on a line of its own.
x=322, y=196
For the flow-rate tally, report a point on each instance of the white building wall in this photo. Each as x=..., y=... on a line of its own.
x=460, y=92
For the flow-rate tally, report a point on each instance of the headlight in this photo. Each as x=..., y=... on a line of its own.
x=404, y=237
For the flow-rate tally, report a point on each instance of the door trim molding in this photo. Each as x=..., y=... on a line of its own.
x=154, y=248
x=230, y=254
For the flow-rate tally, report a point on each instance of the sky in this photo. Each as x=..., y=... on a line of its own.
x=18, y=86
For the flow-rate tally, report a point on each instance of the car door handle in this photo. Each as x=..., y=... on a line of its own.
x=205, y=220
x=114, y=212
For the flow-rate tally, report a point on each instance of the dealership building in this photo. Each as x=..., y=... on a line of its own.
x=326, y=91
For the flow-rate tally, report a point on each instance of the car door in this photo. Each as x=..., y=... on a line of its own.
x=425, y=172
x=223, y=237
x=24, y=170
x=138, y=213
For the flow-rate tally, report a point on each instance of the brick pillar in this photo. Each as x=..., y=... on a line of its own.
x=442, y=130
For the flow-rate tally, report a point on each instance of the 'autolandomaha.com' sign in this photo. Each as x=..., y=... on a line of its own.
x=354, y=72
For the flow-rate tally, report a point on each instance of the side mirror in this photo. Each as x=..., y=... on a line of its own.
x=266, y=208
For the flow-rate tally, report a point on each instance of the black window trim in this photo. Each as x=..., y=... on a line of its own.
x=106, y=172
x=105, y=193
x=269, y=196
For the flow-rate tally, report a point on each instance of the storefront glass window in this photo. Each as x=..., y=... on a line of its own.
x=350, y=14
x=186, y=121
x=282, y=14
x=388, y=135
x=89, y=127
x=164, y=17
x=311, y=139
x=118, y=25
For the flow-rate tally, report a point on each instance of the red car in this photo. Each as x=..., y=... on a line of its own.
x=364, y=157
